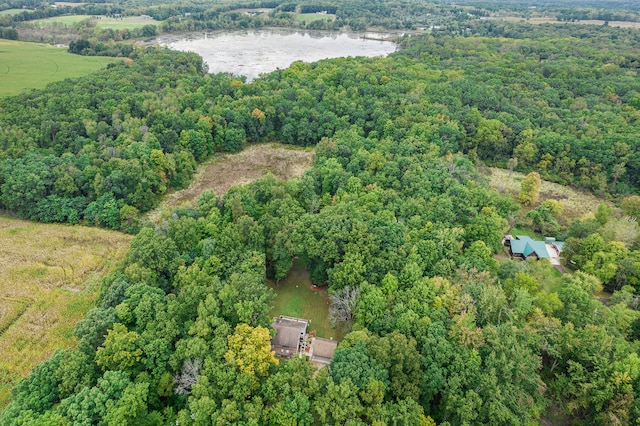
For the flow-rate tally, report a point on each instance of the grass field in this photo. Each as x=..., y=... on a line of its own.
x=12, y=11
x=548, y=276
x=296, y=298
x=102, y=21
x=310, y=17
x=48, y=281
x=576, y=204
x=32, y=66
x=224, y=171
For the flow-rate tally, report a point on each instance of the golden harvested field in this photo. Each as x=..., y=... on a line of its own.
x=550, y=20
x=576, y=204
x=48, y=281
x=224, y=171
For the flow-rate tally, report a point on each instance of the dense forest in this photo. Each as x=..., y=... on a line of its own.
x=393, y=217
x=441, y=331
x=105, y=147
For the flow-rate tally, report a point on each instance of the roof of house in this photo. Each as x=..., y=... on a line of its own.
x=288, y=332
x=559, y=245
x=324, y=348
x=526, y=246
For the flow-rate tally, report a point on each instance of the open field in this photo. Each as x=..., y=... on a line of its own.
x=296, y=298
x=48, y=281
x=12, y=11
x=550, y=20
x=576, y=204
x=310, y=17
x=101, y=21
x=224, y=171
x=32, y=66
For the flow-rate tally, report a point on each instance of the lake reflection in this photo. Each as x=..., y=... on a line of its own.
x=251, y=53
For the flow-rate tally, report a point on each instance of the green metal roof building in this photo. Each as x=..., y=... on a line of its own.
x=524, y=247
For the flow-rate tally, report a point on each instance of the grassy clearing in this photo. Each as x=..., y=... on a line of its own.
x=296, y=298
x=548, y=276
x=576, y=204
x=101, y=21
x=224, y=171
x=12, y=11
x=521, y=231
x=310, y=17
x=48, y=281
x=32, y=66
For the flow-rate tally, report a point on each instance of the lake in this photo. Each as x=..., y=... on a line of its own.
x=253, y=52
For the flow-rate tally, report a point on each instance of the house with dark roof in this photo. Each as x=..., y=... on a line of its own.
x=525, y=247
x=290, y=338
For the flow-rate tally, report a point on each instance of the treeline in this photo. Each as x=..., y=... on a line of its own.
x=619, y=6
x=603, y=15
x=181, y=17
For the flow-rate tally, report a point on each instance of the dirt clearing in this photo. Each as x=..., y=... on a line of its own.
x=224, y=171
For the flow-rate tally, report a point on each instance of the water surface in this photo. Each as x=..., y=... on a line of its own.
x=253, y=52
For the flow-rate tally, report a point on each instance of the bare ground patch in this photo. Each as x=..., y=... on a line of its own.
x=576, y=203
x=227, y=170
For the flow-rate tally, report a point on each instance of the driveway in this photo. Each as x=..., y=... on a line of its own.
x=553, y=255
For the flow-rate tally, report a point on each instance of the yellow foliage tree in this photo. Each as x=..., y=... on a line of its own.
x=250, y=350
x=530, y=189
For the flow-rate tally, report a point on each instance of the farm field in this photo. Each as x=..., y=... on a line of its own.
x=101, y=21
x=49, y=278
x=576, y=204
x=224, y=171
x=32, y=66
x=296, y=298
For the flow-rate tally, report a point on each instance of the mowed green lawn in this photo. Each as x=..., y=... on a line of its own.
x=296, y=298
x=32, y=66
x=101, y=22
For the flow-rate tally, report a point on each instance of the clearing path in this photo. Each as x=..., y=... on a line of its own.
x=226, y=170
